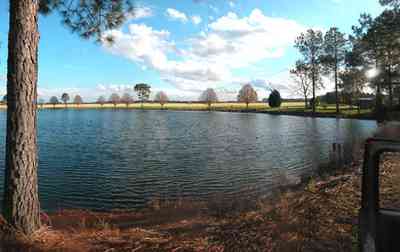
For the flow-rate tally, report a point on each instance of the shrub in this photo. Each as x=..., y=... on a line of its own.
x=275, y=99
x=317, y=101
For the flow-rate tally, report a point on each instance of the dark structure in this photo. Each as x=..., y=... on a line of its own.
x=379, y=228
x=366, y=103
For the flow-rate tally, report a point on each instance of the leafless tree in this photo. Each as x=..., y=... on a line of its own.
x=301, y=75
x=101, y=100
x=247, y=94
x=161, y=98
x=209, y=96
x=78, y=100
x=114, y=99
x=127, y=99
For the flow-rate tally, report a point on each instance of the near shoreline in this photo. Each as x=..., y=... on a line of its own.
x=319, y=215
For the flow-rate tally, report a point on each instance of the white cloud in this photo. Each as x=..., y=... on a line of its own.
x=176, y=15
x=239, y=42
x=142, y=44
x=209, y=58
x=196, y=20
x=141, y=12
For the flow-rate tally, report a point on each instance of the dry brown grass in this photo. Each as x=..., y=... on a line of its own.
x=321, y=216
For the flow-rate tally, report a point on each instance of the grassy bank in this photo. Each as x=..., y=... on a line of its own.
x=157, y=106
x=287, y=108
x=320, y=215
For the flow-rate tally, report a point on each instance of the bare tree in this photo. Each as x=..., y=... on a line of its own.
x=209, y=96
x=101, y=100
x=247, y=94
x=127, y=99
x=78, y=100
x=161, y=98
x=301, y=75
x=114, y=99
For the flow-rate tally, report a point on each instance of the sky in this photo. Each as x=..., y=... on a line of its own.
x=183, y=47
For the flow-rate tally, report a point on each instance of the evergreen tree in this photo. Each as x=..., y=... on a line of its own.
x=89, y=19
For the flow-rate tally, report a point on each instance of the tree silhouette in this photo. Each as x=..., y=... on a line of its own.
x=302, y=77
x=335, y=47
x=352, y=81
x=143, y=91
x=53, y=100
x=65, y=98
x=393, y=3
x=274, y=99
x=310, y=45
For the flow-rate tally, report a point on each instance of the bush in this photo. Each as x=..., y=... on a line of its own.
x=275, y=99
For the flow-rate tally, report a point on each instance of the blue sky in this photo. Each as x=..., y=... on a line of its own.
x=186, y=46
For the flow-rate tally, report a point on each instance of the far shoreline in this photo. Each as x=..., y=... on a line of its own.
x=287, y=108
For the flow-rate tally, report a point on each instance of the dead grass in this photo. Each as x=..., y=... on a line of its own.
x=321, y=216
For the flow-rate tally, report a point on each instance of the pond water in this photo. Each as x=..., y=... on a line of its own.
x=122, y=159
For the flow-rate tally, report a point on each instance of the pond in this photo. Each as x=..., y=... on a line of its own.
x=122, y=159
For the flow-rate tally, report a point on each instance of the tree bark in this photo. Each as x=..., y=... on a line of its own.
x=313, y=93
x=390, y=87
x=21, y=202
x=305, y=102
x=313, y=82
x=336, y=84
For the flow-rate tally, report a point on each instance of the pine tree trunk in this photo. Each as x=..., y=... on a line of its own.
x=336, y=86
x=313, y=93
x=21, y=202
x=313, y=83
x=390, y=87
x=305, y=102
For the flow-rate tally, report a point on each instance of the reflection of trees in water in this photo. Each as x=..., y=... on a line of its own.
x=314, y=145
x=355, y=135
x=128, y=157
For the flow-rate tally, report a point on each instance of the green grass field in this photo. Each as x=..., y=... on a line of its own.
x=173, y=106
x=286, y=107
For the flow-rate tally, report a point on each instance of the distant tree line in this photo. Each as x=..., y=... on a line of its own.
x=247, y=94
